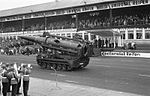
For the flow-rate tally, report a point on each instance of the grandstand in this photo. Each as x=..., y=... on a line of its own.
x=119, y=21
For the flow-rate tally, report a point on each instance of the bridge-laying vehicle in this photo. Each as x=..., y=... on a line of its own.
x=61, y=53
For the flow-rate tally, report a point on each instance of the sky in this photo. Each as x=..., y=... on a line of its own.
x=9, y=4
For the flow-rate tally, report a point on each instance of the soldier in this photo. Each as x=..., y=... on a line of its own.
x=95, y=43
x=26, y=70
x=0, y=75
x=106, y=43
x=19, y=80
x=5, y=81
x=13, y=77
x=99, y=43
x=102, y=42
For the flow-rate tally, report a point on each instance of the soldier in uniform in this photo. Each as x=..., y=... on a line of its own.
x=5, y=81
x=13, y=78
x=26, y=70
x=0, y=75
x=99, y=43
x=19, y=80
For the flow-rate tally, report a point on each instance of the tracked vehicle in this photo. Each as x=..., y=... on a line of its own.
x=61, y=53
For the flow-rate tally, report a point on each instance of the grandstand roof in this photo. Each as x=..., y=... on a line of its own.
x=49, y=6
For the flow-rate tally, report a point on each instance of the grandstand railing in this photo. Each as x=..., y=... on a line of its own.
x=39, y=32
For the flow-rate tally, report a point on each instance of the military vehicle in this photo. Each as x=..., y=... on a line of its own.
x=61, y=53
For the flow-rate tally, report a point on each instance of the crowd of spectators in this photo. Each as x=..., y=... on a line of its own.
x=14, y=46
x=91, y=22
x=38, y=24
x=98, y=21
x=11, y=27
x=61, y=25
x=34, y=27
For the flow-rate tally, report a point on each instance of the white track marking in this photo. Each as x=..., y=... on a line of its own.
x=58, y=74
x=144, y=75
x=71, y=81
x=103, y=65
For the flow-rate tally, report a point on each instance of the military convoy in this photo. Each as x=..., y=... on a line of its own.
x=61, y=53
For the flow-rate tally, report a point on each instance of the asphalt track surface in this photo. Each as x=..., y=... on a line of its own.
x=130, y=75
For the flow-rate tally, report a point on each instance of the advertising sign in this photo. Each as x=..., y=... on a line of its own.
x=126, y=54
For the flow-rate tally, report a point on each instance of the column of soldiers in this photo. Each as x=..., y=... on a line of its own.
x=11, y=77
x=101, y=43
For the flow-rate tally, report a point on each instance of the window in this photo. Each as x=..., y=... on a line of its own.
x=62, y=34
x=139, y=34
x=73, y=34
x=68, y=35
x=14, y=37
x=1, y=39
x=85, y=36
x=122, y=34
x=58, y=34
x=130, y=35
x=147, y=34
x=93, y=36
x=79, y=35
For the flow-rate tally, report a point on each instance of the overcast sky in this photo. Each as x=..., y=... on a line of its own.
x=8, y=4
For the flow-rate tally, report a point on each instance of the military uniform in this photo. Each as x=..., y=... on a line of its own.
x=13, y=78
x=5, y=82
x=19, y=80
x=0, y=76
x=26, y=70
x=9, y=78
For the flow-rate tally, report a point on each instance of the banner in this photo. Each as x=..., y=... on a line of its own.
x=126, y=54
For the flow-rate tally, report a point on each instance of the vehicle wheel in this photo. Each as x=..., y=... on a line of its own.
x=69, y=68
x=54, y=66
x=64, y=67
x=43, y=65
x=59, y=67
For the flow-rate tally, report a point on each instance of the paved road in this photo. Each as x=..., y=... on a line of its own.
x=130, y=75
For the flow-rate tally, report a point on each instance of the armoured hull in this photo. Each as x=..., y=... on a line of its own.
x=61, y=63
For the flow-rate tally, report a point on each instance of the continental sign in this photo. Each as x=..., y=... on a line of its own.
x=126, y=54
x=85, y=8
